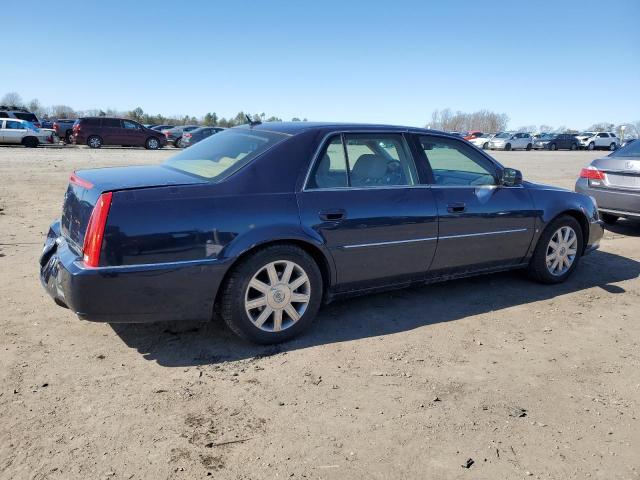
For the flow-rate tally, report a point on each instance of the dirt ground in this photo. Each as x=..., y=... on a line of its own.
x=506, y=377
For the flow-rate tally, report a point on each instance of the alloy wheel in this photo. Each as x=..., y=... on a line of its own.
x=277, y=296
x=561, y=251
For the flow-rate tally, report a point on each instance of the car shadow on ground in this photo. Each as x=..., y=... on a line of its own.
x=182, y=344
x=630, y=228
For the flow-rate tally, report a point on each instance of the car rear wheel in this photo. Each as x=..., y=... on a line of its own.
x=152, y=143
x=612, y=147
x=553, y=147
x=591, y=146
x=485, y=146
x=609, y=218
x=67, y=137
x=507, y=147
x=94, y=141
x=557, y=252
x=574, y=146
x=177, y=142
x=529, y=146
x=272, y=295
x=30, y=142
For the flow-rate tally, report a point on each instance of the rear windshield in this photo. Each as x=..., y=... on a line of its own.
x=630, y=150
x=222, y=154
x=29, y=117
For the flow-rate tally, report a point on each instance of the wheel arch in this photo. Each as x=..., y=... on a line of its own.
x=582, y=220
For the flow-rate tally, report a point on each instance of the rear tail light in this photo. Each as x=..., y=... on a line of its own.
x=76, y=180
x=592, y=173
x=188, y=135
x=95, y=231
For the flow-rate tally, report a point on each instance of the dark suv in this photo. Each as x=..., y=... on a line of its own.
x=556, y=141
x=98, y=131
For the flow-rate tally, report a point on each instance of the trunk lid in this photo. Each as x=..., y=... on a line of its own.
x=622, y=172
x=85, y=187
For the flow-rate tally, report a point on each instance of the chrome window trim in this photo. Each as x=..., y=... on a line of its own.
x=427, y=239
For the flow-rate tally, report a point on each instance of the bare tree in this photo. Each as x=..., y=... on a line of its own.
x=13, y=99
x=483, y=120
x=602, y=127
x=545, y=128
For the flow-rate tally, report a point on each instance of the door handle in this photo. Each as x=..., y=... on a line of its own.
x=332, y=215
x=456, y=207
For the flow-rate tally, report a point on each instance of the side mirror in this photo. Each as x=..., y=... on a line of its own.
x=511, y=177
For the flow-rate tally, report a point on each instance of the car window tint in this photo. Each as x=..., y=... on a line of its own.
x=455, y=163
x=13, y=125
x=4, y=115
x=111, y=123
x=378, y=160
x=331, y=169
x=129, y=125
x=603, y=135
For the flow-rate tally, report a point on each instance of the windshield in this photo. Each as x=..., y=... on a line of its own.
x=222, y=154
x=30, y=117
x=503, y=135
x=586, y=134
x=630, y=150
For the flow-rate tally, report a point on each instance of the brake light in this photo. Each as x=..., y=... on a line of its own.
x=81, y=182
x=188, y=135
x=95, y=231
x=592, y=173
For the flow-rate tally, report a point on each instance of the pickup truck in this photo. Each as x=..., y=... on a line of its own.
x=64, y=128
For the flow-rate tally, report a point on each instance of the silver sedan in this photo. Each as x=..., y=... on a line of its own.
x=614, y=181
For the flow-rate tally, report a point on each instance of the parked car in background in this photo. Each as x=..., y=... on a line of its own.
x=160, y=128
x=10, y=111
x=64, y=128
x=46, y=123
x=14, y=131
x=627, y=141
x=511, y=141
x=98, y=131
x=598, y=140
x=556, y=141
x=174, y=135
x=614, y=181
x=472, y=134
x=194, y=136
x=188, y=238
x=482, y=140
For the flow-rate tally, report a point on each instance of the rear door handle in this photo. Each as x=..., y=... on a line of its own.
x=456, y=207
x=332, y=215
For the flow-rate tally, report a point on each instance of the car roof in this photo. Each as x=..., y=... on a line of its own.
x=293, y=128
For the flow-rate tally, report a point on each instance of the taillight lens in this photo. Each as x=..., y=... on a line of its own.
x=592, y=174
x=95, y=231
x=81, y=182
x=188, y=135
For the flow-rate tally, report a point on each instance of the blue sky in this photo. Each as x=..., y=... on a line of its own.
x=567, y=62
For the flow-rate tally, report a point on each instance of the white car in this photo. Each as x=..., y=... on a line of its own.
x=594, y=140
x=21, y=132
x=511, y=141
x=482, y=140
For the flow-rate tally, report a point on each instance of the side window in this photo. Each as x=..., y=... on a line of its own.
x=454, y=163
x=603, y=135
x=379, y=160
x=331, y=169
x=4, y=115
x=130, y=125
x=111, y=123
x=612, y=135
x=13, y=125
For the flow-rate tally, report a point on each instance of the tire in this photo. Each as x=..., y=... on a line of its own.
x=67, y=137
x=529, y=147
x=238, y=292
x=152, y=143
x=612, y=147
x=553, y=147
x=177, y=142
x=538, y=268
x=574, y=146
x=507, y=147
x=94, y=141
x=591, y=146
x=30, y=142
x=609, y=218
x=485, y=146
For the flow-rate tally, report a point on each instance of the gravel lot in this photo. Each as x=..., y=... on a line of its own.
x=528, y=381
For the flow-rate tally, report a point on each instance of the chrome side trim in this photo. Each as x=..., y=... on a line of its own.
x=395, y=242
x=179, y=263
x=427, y=239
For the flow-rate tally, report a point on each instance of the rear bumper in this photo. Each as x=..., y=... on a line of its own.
x=617, y=202
x=129, y=294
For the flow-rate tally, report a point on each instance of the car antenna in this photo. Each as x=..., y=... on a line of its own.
x=252, y=123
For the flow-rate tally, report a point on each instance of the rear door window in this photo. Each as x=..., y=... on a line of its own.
x=130, y=125
x=111, y=123
x=13, y=125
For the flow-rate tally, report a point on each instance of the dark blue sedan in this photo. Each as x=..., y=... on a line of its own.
x=261, y=224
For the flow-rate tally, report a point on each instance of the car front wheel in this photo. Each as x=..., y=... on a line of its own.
x=272, y=295
x=557, y=252
x=591, y=146
x=152, y=144
x=612, y=147
x=507, y=147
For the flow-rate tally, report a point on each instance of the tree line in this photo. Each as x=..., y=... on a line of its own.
x=64, y=111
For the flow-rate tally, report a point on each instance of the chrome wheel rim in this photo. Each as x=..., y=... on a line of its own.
x=277, y=296
x=612, y=147
x=561, y=251
x=94, y=142
x=153, y=143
